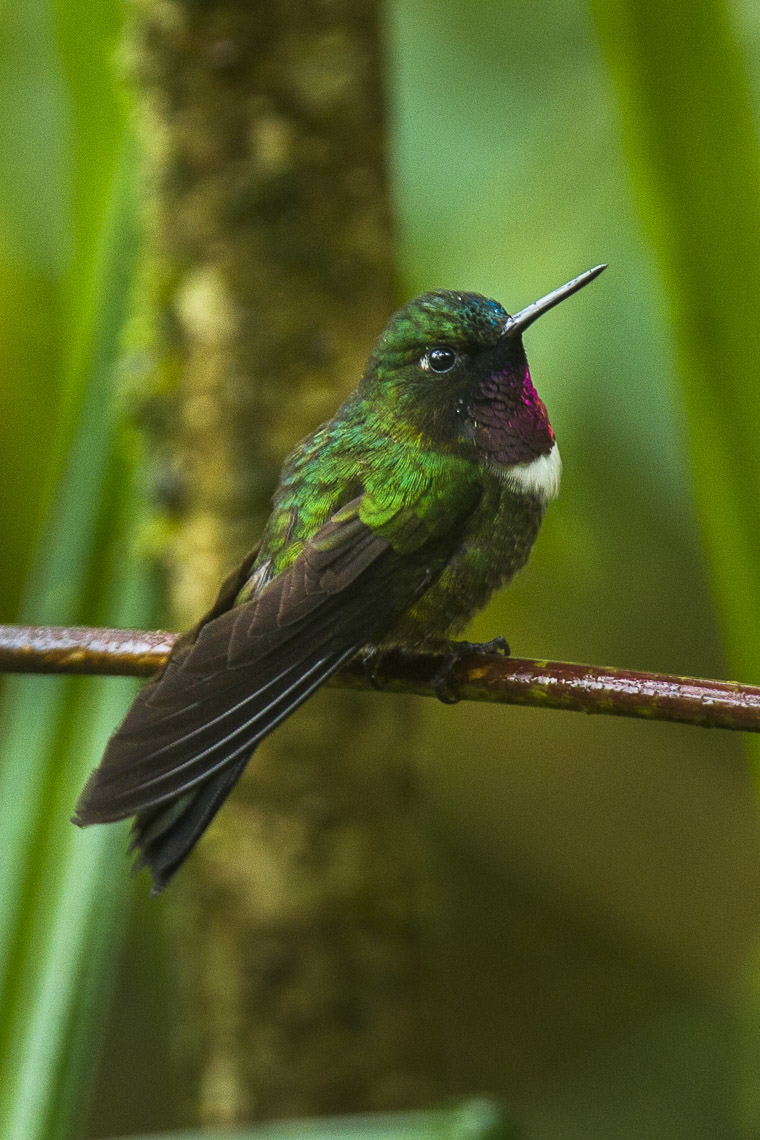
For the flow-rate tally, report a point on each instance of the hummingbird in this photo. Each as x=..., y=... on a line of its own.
x=392, y=524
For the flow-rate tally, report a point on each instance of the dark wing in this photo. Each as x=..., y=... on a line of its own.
x=189, y=734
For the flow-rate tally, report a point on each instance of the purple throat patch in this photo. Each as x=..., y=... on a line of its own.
x=509, y=419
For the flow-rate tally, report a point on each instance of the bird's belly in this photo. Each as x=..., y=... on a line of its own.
x=494, y=547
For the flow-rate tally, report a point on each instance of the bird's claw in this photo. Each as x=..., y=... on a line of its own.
x=371, y=661
x=498, y=646
x=440, y=681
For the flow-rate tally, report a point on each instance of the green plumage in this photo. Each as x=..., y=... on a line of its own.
x=393, y=523
x=415, y=496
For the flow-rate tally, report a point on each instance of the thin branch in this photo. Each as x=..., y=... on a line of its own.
x=82, y=649
x=510, y=681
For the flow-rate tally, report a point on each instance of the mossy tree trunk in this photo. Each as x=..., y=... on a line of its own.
x=268, y=274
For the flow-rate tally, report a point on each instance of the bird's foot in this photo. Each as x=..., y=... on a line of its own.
x=458, y=649
x=372, y=659
x=496, y=647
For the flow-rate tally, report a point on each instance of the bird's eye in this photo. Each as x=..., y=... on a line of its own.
x=440, y=359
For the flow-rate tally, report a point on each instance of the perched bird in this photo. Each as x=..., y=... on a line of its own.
x=393, y=523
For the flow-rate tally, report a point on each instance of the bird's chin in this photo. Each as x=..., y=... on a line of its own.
x=539, y=477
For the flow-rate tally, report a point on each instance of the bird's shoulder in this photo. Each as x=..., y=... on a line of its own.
x=415, y=496
x=401, y=489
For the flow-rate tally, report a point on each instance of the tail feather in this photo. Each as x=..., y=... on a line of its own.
x=194, y=755
x=164, y=836
x=174, y=808
x=189, y=733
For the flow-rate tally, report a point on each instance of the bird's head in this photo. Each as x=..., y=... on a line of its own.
x=452, y=367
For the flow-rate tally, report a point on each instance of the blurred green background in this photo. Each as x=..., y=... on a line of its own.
x=601, y=878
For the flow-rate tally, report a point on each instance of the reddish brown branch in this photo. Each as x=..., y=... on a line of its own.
x=80, y=649
x=514, y=681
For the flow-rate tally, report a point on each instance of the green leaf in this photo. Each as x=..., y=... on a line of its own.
x=692, y=142
x=61, y=134
x=472, y=1120
x=62, y=892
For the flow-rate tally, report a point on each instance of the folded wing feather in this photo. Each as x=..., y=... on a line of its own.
x=189, y=734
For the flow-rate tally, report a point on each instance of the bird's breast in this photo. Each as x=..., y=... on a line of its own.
x=494, y=546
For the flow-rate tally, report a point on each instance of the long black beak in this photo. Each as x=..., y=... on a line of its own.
x=520, y=321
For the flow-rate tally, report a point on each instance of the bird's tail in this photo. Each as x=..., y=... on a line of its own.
x=163, y=836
